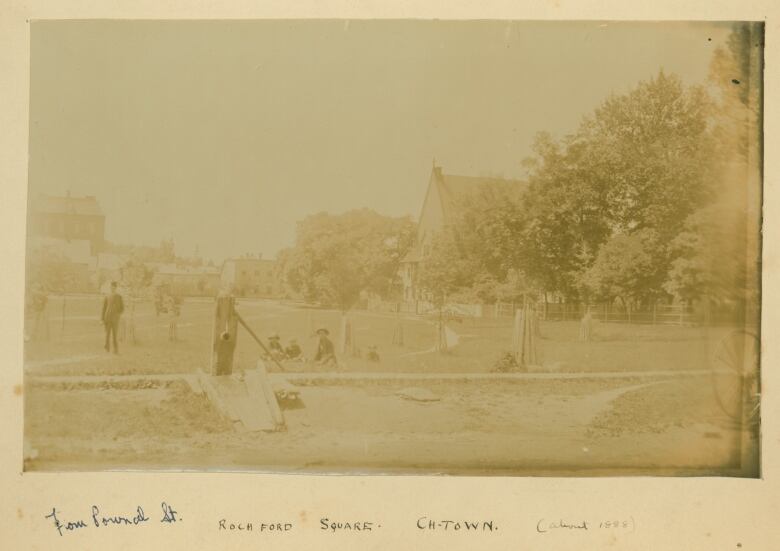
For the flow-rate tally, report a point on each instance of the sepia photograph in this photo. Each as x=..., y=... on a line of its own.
x=474, y=247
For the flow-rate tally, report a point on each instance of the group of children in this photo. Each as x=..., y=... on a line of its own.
x=292, y=351
x=325, y=355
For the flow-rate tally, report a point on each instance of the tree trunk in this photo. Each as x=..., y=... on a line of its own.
x=586, y=326
x=398, y=331
x=441, y=340
x=517, y=337
x=131, y=325
x=347, y=340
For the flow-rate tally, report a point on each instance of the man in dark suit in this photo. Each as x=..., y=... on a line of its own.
x=113, y=306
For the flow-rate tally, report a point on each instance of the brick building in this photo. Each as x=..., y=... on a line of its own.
x=251, y=277
x=68, y=219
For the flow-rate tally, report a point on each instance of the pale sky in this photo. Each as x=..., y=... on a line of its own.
x=222, y=135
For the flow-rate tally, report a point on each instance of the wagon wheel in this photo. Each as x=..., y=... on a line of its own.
x=735, y=373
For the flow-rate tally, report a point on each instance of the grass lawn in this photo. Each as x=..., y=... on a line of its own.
x=76, y=346
x=543, y=426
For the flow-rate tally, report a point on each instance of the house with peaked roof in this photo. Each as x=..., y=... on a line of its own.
x=68, y=219
x=446, y=193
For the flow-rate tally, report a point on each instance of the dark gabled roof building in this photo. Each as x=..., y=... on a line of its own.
x=445, y=196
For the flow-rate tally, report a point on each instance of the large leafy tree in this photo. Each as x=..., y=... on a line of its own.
x=476, y=257
x=651, y=150
x=566, y=215
x=640, y=162
x=626, y=268
x=137, y=277
x=337, y=257
x=716, y=256
x=448, y=268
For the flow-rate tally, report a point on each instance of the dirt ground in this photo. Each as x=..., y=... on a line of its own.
x=519, y=427
x=619, y=425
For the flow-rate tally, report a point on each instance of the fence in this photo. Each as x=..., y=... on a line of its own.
x=658, y=314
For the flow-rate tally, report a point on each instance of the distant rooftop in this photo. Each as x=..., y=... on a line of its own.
x=250, y=259
x=454, y=188
x=172, y=269
x=53, y=204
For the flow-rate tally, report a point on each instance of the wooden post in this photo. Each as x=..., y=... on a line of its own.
x=524, y=337
x=347, y=340
x=45, y=315
x=225, y=335
x=517, y=337
x=586, y=325
x=628, y=309
x=606, y=311
x=440, y=342
x=655, y=303
x=529, y=352
x=532, y=332
x=131, y=325
x=398, y=331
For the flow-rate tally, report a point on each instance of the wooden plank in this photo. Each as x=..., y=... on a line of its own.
x=259, y=341
x=260, y=377
x=231, y=392
x=214, y=397
x=253, y=414
x=194, y=383
x=238, y=403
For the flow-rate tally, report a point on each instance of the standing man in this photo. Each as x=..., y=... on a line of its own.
x=113, y=306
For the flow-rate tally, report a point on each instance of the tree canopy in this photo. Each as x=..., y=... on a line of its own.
x=645, y=199
x=337, y=257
